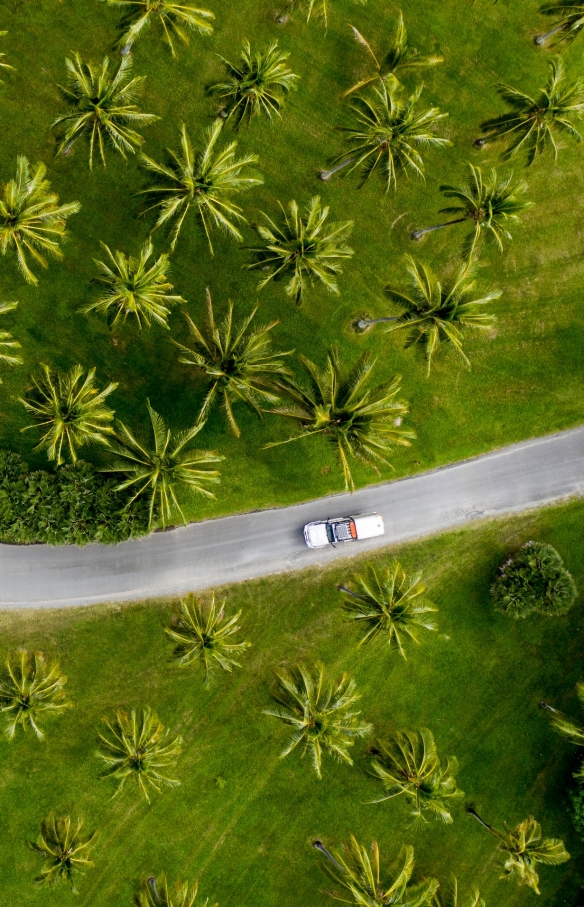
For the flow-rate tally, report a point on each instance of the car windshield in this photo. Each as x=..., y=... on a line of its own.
x=330, y=533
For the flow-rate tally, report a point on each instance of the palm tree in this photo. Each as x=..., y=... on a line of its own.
x=321, y=713
x=160, y=470
x=437, y=313
x=302, y=247
x=175, y=18
x=523, y=848
x=531, y=122
x=134, y=287
x=102, y=108
x=2, y=64
x=136, y=746
x=31, y=220
x=74, y=413
x=30, y=688
x=357, y=420
x=488, y=205
x=203, y=180
x=238, y=363
x=399, y=59
x=452, y=897
x=257, y=86
x=569, y=23
x=182, y=895
x=567, y=728
x=389, y=605
x=7, y=341
x=202, y=634
x=320, y=9
x=356, y=869
x=410, y=765
x=387, y=136
x=64, y=849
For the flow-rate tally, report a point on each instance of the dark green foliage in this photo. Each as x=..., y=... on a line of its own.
x=74, y=505
x=534, y=580
x=577, y=809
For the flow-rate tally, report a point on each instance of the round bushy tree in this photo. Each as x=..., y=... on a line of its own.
x=535, y=579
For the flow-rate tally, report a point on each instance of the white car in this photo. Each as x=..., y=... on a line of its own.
x=343, y=529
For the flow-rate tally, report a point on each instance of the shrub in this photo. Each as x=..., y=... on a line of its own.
x=534, y=580
x=72, y=506
x=577, y=810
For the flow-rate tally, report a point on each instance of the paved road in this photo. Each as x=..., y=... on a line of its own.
x=236, y=548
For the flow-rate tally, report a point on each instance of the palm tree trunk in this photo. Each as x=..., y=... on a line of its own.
x=473, y=812
x=541, y=39
x=417, y=234
x=325, y=175
x=320, y=846
x=544, y=705
x=69, y=146
x=366, y=322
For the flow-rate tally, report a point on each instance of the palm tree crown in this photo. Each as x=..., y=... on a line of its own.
x=488, y=204
x=321, y=713
x=237, y=361
x=389, y=604
x=102, y=108
x=388, y=134
x=357, y=420
x=74, y=413
x=31, y=219
x=203, y=633
x=4, y=65
x=201, y=179
x=158, y=894
x=569, y=15
x=532, y=121
x=134, y=287
x=30, y=688
x=161, y=469
x=523, y=848
x=400, y=58
x=410, y=765
x=64, y=849
x=176, y=19
x=437, y=313
x=453, y=898
x=136, y=746
x=257, y=85
x=7, y=341
x=568, y=728
x=357, y=870
x=303, y=247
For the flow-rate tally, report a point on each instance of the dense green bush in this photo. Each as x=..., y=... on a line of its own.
x=577, y=809
x=74, y=505
x=534, y=580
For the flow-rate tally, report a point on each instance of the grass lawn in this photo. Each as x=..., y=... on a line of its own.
x=476, y=683
x=526, y=377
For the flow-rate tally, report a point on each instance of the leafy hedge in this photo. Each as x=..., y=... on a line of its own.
x=72, y=506
x=534, y=580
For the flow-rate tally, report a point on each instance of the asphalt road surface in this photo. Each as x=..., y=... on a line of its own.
x=231, y=549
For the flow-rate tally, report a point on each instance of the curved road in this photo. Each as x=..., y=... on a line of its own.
x=236, y=548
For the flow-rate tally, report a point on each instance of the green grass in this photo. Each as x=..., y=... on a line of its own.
x=476, y=683
x=526, y=377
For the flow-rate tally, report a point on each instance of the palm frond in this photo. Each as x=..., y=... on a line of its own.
x=302, y=248
x=32, y=222
x=136, y=746
x=70, y=409
x=204, y=633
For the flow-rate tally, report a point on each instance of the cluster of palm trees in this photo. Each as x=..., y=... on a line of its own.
x=137, y=749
